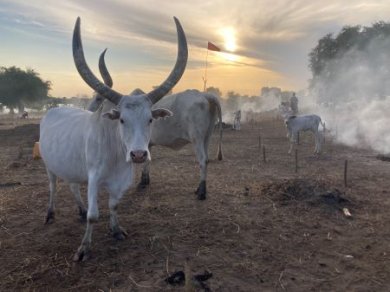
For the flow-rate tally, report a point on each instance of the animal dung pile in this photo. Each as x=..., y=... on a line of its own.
x=311, y=192
x=197, y=281
x=383, y=157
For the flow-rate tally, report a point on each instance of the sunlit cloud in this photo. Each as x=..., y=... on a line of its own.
x=272, y=36
x=229, y=38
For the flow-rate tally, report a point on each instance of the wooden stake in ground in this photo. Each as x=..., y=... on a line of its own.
x=264, y=158
x=259, y=142
x=345, y=173
x=296, y=160
x=298, y=138
x=188, y=277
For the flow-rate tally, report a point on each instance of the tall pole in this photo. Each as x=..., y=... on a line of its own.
x=205, y=72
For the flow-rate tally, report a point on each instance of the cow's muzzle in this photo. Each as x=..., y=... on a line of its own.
x=138, y=156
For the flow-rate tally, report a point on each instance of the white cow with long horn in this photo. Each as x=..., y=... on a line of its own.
x=193, y=120
x=101, y=147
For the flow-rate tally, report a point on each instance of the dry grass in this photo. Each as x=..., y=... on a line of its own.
x=261, y=227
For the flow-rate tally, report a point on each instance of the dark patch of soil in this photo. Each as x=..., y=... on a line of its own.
x=311, y=192
x=383, y=157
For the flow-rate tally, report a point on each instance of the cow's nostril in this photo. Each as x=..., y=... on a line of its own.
x=138, y=155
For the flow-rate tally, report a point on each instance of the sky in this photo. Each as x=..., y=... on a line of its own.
x=264, y=42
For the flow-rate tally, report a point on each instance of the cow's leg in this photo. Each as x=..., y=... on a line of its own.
x=208, y=135
x=320, y=142
x=206, y=148
x=317, y=138
x=75, y=188
x=117, y=231
x=202, y=159
x=292, y=142
x=53, y=192
x=291, y=147
x=315, y=144
x=206, y=144
x=83, y=251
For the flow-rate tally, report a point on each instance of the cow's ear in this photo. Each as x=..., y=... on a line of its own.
x=112, y=115
x=161, y=113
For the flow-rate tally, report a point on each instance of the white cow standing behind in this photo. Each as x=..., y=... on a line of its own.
x=237, y=120
x=296, y=124
x=101, y=147
x=193, y=120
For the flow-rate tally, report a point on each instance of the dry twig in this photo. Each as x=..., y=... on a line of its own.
x=280, y=280
x=139, y=285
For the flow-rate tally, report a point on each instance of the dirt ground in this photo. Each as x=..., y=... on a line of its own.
x=263, y=227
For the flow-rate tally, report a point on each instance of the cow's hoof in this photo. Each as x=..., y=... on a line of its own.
x=201, y=191
x=141, y=187
x=83, y=253
x=201, y=196
x=50, y=217
x=119, y=234
x=83, y=215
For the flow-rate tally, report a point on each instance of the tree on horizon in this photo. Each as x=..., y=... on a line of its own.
x=20, y=88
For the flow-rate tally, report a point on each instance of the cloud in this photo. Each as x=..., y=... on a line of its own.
x=275, y=35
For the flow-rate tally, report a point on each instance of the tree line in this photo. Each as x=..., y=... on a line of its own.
x=352, y=64
x=21, y=88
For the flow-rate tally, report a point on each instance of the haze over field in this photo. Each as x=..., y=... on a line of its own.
x=355, y=100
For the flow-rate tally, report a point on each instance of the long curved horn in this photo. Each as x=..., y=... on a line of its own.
x=86, y=73
x=104, y=71
x=181, y=62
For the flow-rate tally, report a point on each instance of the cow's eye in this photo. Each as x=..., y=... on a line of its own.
x=122, y=121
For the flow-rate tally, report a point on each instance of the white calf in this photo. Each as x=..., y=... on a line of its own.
x=296, y=124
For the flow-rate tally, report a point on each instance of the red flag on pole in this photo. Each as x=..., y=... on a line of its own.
x=212, y=47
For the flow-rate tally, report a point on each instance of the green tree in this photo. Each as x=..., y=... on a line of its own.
x=19, y=88
x=352, y=63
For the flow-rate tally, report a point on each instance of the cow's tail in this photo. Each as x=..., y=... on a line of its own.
x=212, y=99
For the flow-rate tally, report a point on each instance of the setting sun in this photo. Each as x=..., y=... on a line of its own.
x=229, y=36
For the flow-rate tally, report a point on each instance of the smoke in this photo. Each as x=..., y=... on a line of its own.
x=268, y=102
x=353, y=96
x=359, y=123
